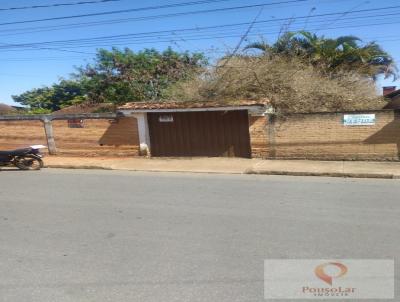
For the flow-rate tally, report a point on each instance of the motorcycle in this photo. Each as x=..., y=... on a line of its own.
x=24, y=159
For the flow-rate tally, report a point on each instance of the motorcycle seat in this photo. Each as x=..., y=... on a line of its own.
x=15, y=152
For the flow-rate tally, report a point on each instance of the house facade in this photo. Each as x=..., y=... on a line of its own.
x=176, y=129
x=246, y=129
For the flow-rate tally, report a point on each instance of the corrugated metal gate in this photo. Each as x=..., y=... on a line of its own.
x=204, y=133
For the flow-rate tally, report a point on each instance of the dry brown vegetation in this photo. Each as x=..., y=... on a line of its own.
x=291, y=85
x=5, y=109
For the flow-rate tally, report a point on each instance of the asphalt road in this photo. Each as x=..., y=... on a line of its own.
x=70, y=235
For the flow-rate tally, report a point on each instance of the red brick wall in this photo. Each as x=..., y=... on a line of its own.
x=20, y=134
x=258, y=136
x=299, y=136
x=96, y=138
x=323, y=136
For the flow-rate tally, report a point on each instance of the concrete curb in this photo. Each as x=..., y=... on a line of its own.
x=88, y=167
x=326, y=174
x=247, y=171
x=93, y=167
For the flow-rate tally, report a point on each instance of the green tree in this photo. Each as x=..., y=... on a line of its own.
x=121, y=76
x=345, y=53
x=52, y=98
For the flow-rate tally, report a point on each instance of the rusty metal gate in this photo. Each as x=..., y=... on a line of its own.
x=204, y=133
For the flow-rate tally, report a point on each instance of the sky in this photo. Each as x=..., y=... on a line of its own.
x=42, y=41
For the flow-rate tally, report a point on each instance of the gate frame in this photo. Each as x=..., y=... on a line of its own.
x=143, y=125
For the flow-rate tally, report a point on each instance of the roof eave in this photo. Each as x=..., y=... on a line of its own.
x=392, y=94
x=250, y=108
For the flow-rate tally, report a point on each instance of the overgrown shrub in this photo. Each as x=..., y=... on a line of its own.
x=291, y=85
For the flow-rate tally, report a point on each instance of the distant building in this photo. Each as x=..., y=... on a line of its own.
x=20, y=108
x=6, y=109
x=393, y=96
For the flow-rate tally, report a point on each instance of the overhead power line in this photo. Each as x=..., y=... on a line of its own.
x=109, y=22
x=157, y=7
x=242, y=38
x=343, y=15
x=186, y=39
x=192, y=34
x=57, y=5
x=160, y=39
x=122, y=20
x=199, y=29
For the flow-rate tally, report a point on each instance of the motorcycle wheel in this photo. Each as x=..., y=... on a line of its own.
x=29, y=162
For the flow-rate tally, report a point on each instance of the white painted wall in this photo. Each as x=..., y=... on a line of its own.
x=144, y=135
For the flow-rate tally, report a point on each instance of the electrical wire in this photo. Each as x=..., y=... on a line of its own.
x=115, y=21
x=157, y=34
x=158, y=7
x=56, y=5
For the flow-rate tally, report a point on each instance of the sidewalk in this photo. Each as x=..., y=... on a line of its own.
x=360, y=169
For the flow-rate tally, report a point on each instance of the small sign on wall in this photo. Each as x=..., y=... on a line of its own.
x=75, y=123
x=166, y=119
x=359, y=119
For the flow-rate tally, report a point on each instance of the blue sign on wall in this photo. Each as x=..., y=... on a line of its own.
x=358, y=119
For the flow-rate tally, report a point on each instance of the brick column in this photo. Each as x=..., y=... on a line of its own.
x=48, y=129
x=271, y=136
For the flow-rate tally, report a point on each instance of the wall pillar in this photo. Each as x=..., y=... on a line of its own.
x=144, y=134
x=271, y=136
x=48, y=129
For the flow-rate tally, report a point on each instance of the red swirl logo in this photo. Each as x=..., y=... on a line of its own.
x=320, y=271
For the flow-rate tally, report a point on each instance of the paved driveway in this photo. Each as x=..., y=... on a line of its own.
x=70, y=235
